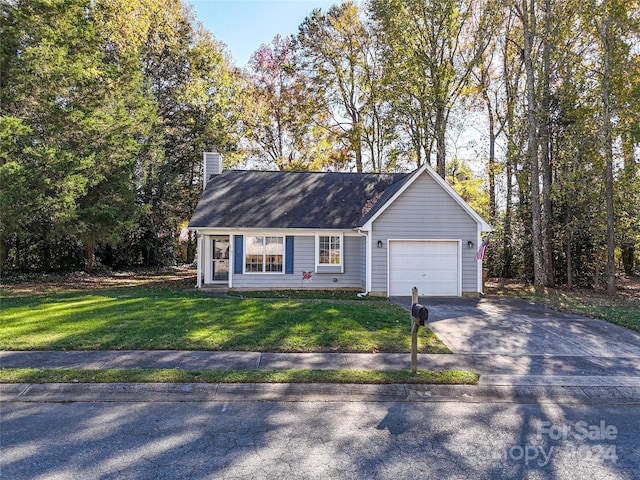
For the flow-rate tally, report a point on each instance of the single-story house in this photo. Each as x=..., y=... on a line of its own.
x=381, y=234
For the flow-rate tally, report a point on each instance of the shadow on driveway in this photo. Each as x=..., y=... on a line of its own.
x=520, y=327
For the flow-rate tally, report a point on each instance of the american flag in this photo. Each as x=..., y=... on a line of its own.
x=482, y=251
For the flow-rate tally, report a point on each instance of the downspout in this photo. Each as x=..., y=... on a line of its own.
x=367, y=263
x=200, y=243
x=232, y=257
x=479, y=262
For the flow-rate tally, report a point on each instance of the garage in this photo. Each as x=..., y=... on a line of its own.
x=431, y=265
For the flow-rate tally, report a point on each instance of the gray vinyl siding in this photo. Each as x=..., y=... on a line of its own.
x=304, y=257
x=363, y=263
x=424, y=211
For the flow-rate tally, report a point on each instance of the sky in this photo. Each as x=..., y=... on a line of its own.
x=244, y=25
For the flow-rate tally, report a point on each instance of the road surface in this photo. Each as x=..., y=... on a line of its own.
x=318, y=440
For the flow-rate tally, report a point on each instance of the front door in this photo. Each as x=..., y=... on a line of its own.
x=220, y=249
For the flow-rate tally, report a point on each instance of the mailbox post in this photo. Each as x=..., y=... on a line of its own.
x=419, y=316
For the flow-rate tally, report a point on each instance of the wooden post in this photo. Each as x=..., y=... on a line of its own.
x=415, y=324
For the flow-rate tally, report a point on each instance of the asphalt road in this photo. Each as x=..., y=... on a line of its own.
x=318, y=440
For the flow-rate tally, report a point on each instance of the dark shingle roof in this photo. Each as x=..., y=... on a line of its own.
x=257, y=199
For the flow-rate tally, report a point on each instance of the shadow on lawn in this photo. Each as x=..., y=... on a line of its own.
x=156, y=317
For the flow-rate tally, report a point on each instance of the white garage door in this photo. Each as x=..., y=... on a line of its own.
x=432, y=266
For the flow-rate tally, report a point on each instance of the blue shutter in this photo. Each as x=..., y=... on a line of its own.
x=288, y=254
x=238, y=255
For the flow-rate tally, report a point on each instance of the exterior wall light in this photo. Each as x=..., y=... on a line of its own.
x=379, y=243
x=470, y=244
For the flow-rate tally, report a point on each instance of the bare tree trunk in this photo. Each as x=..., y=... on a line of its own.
x=90, y=257
x=608, y=147
x=596, y=275
x=358, y=159
x=569, y=262
x=547, y=244
x=628, y=175
x=529, y=27
x=510, y=77
x=4, y=252
x=507, y=257
x=492, y=151
x=440, y=131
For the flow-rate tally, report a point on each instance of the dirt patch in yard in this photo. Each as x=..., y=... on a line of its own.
x=179, y=278
x=628, y=289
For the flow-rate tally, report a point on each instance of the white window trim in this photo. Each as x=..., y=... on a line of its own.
x=317, y=249
x=244, y=254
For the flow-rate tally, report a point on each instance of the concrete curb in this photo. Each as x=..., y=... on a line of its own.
x=503, y=378
x=220, y=392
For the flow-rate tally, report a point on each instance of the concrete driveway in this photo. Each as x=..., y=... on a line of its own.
x=518, y=327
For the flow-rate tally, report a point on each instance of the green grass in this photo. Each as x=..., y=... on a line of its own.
x=148, y=317
x=306, y=294
x=618, y=310
x=450, y=377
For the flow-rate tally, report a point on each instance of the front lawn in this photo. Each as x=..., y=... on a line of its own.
x=172, y=316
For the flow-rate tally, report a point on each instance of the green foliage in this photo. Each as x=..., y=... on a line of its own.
x=107, y=105
x=430, y=48
x=568, y=59
x=470, y=188
x=341, y=57
x=106, y=109
x=64, y=113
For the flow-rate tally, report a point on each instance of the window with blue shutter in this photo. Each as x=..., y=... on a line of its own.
x=238, y=254
x=288, y=253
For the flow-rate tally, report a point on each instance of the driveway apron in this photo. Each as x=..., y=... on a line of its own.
x=518, y=327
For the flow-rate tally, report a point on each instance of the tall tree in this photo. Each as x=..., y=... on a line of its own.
x=526, y=12
x=611, y=18
x=511, y=74
x=106, y=108
x=431, y=49
x=339, y=56
x=189, y=84
x=545, y=114
x=66, y=111
x=282, y=121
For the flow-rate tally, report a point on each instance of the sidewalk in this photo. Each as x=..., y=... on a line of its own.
x=522, y=378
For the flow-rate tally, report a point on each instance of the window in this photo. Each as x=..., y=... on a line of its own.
x=329, y=250
x=263, y=254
